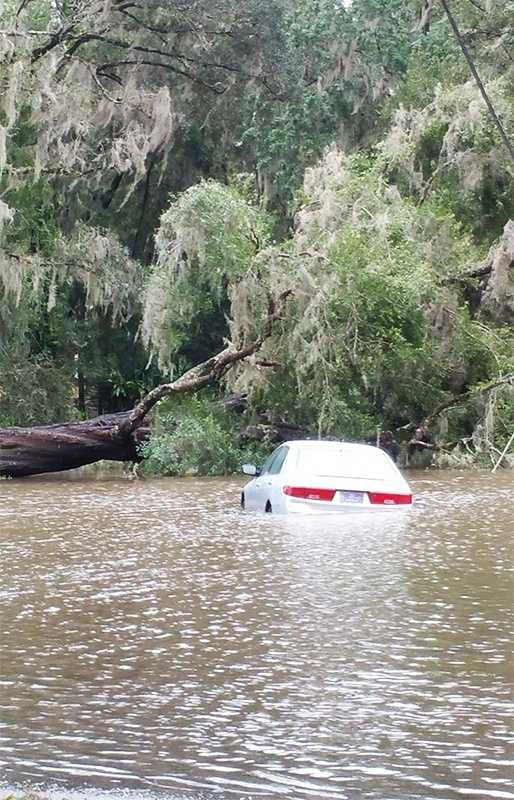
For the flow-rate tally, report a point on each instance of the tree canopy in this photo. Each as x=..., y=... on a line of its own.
x=167, y=167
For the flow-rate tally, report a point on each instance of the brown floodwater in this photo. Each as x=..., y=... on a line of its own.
x=156, y=639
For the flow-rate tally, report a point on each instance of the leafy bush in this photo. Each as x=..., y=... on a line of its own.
x=195, y=438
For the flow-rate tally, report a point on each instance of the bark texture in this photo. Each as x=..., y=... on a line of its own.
x=54, y=448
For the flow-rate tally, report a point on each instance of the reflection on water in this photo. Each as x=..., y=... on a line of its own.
x=155, y=638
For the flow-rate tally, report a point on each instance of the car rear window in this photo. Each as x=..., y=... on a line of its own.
x=332, y=462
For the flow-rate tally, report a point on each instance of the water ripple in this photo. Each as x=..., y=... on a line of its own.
x=156, y=639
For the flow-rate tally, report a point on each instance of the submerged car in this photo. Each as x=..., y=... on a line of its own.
x=312, y=476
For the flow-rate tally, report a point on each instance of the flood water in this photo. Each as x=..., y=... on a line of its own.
x=156, y=639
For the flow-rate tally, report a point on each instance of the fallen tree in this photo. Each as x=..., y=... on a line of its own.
x=54, y=448
x=116, y=437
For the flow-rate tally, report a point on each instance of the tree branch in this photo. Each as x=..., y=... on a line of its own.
x=55, y=40
x=474, y=72
x=168, y=67
x=477, y=272
x=466, y=397
x=167, y=54
x=160, y=31
x=478, y=5
x=211, y=370
x=23, y=5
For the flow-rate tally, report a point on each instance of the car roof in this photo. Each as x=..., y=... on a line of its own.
x=325, y=443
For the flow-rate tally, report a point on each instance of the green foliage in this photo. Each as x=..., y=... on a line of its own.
x=435, y=61
x=334, y=84
x=36, y=387
x=504, y=417
x=375, y=335
x=35, y=227
x=383, y=333
x=207, y=240
x=215, y=227
x=285, y=139
x=451, y=151
x=414, y=187
x=195, y=438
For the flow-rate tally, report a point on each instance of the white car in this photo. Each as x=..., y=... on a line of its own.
x=312, y=476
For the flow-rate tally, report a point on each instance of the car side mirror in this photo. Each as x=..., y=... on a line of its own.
x=251, y=470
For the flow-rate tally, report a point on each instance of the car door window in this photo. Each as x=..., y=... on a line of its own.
x=267, y=464
x=278, y=461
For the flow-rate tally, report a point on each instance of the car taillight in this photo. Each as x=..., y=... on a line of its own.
x=305, y=493
x=386, y=499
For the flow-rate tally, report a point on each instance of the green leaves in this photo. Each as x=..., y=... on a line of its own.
x=194, y=438
x=208, y=240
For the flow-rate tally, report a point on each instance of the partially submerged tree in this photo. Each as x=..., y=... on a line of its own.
x=116, y=437
x=379, y=329
x=109, y=108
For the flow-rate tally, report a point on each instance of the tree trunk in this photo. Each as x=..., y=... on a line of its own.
x=54, y=448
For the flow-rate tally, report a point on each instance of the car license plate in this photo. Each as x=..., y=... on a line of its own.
x=352, y=497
